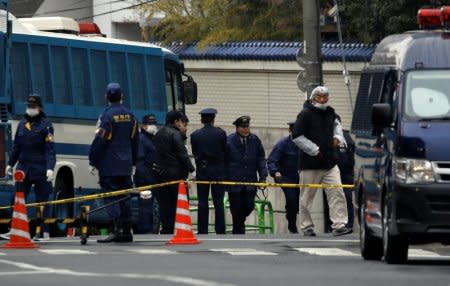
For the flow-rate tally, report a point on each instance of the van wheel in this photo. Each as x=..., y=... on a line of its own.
x=62, y=211
x=395, y=247
x=371, y=246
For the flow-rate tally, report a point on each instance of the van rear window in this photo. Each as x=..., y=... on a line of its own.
x=369, y=92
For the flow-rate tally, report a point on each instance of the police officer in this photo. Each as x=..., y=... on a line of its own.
x=282, y=164
x=346, y=164
x=172, y=164
x=113, y=153
x=209, y=146
x=245, y=160
x=144, y=175
x=34, y=153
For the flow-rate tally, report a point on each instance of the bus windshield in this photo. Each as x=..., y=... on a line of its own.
x=427, y=95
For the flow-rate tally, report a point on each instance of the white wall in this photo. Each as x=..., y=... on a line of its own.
x=110, y=20
x=76, y=9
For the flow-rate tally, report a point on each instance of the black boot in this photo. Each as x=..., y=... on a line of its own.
x=124, y=234
x=112, y=236
x=292, y=227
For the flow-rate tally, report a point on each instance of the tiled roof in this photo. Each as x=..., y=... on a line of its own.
x=271, y=51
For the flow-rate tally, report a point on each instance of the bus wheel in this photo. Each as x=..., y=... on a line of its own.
x=395, y=247
x=62, y=190
x=371, y=246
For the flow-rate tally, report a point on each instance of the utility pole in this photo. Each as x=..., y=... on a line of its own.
x=310, y=57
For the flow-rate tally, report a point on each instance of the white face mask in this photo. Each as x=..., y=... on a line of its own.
x=322, y=106
x=32, y=112
x=151, y=129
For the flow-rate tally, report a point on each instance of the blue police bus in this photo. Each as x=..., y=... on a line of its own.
x=70, y=72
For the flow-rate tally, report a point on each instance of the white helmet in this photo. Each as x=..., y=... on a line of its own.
x=318, y=90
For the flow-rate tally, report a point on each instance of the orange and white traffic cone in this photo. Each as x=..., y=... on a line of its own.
x=183, y=223
x=20, y=231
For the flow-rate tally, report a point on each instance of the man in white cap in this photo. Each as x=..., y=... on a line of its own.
x=318, y=132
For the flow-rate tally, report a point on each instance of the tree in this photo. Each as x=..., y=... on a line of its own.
x=215, y=21
x=369, y=21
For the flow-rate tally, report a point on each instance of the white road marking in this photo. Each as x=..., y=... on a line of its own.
x=243, y=251
x=65, y=251
x=326, y=251
x=152, y=251
x=166, y=278
x=420, y=253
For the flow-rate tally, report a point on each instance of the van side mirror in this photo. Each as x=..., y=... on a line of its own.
x=381, y=116
x=190, y=90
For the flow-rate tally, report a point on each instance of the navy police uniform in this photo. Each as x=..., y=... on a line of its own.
x=209, y=146
x=245, y=159
x=34, y=152
x=346, y=164
x=113, y=153
x=144, y=175
x=283, y=159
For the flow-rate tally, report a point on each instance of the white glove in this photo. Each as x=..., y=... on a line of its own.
x=133, y=170
x=92, y=170
x=9, y=171
x=146, y=195
x=49, y=175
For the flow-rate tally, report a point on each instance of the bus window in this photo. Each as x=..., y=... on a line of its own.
x=156, y=83
x=81, y=82
x=119, y=74
x=138, y=82
x=21, y=82
x=99, y=73
x=41, y=72
x=169, y=90
x=173, y=89
x=61, y=79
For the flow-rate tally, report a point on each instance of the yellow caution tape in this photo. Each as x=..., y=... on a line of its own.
x=154, y=186
x=281, y=185
x=98, y=196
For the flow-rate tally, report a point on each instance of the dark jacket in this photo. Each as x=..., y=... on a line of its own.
x=209, y=146
x=115, y=146
x=245, y=161
x=172, y=161
x=33, y=147
x=145, y=159
x=318, y=126
x=283, y=159
x=346, y=160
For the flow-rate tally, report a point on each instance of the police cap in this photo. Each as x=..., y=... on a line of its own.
x=208, y=111
x=113, y=92
x=243, y=121
x=34, y=100
x=149, y=119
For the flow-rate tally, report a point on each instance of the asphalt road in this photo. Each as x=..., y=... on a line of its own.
x=219, y=260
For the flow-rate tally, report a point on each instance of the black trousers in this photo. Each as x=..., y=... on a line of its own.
x=242, y=203
x=217, y=192
x=167, y=199
x=292, y=196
